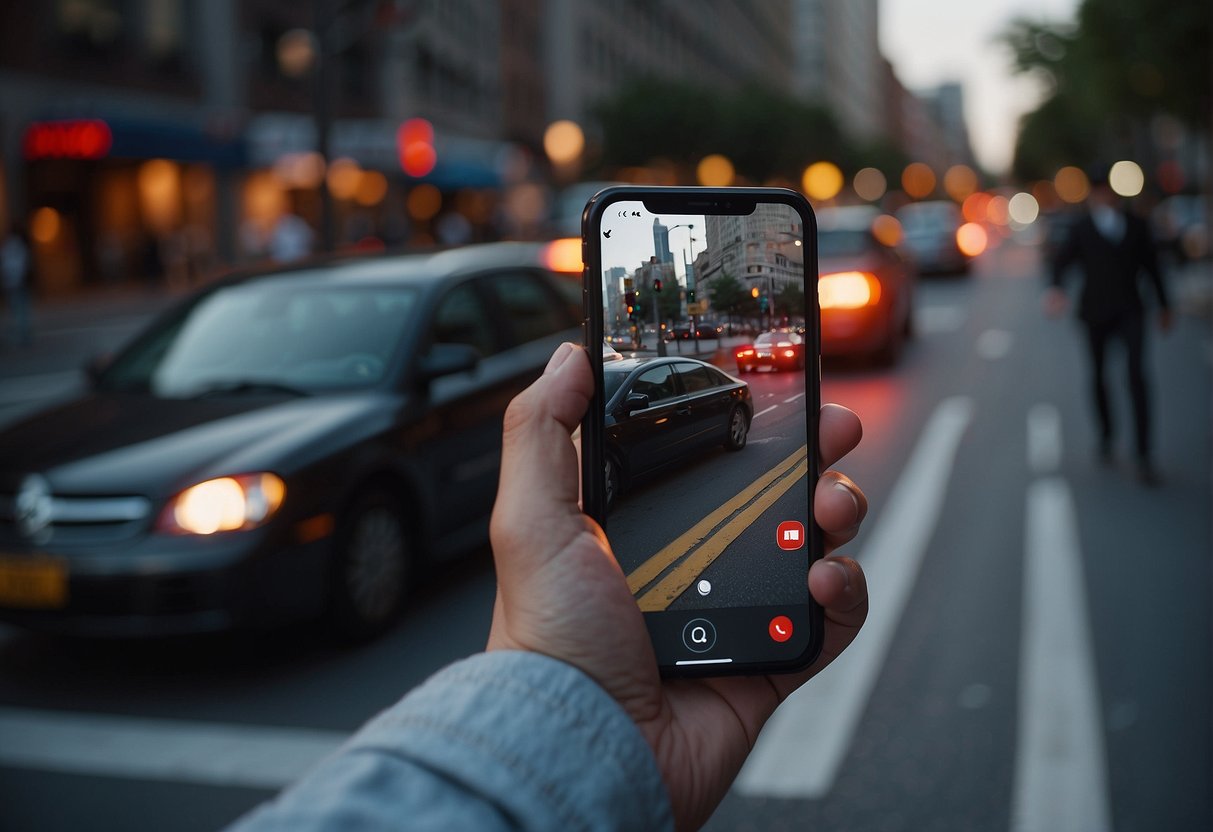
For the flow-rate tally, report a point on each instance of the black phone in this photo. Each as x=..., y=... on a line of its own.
x=699, y=449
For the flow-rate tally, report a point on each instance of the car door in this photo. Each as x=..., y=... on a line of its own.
x=705, y=407
x=648, y=438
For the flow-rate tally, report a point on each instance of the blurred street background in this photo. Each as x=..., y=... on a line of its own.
x=1040, y=652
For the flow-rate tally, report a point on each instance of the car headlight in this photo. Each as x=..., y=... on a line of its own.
x=225, y=504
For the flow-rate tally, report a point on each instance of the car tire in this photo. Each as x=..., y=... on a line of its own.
x=372, y=565
x=738, y=428
x=612, y=480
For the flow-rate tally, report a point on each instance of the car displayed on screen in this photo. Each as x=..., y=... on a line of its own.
x=779, y=350
x=865, y=286
x=662, y=410
x=282, y=445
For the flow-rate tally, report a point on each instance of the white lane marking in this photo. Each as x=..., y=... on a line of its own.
x=934, y=320
x=799, y=753
x=759, y=413
x=1044, y=439
x=994, y=344
x=794, y=398
x=1060, y=762
x=165, y=750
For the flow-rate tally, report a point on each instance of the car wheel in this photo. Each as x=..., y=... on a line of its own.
x=612, y=476
x=372, y=565
x=739, y=429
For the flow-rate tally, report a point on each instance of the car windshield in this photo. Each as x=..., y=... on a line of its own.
x=843, y=242
x=926, y=217
x=776, y=339
x=278, y=336
x=612, y=381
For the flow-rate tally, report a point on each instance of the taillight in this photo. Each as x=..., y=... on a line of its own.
x=789, y=353
x=848, y=290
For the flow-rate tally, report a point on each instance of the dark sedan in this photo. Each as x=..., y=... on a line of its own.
x=281, y=445
x=662, y=410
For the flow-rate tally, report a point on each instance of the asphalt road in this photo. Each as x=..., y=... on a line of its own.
x=1038, y=656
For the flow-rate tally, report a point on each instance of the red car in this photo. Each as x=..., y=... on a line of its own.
x=778, y=350
x=866, y=287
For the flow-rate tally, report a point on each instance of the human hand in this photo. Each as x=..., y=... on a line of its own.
x=1055, y=302
x=561, y=592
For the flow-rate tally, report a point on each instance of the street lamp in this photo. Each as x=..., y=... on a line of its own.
x=687, y=274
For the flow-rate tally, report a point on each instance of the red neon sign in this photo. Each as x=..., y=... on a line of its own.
x=77, y=139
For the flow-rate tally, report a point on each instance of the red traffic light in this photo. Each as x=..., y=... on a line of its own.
x=656, y=285
x=415, y=146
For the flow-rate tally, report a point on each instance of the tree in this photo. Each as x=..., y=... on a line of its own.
x=1107, y=76
x=728, y=295
x=789, y=301
x=764, y=133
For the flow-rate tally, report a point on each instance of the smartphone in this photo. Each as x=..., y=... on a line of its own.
x=699, y=448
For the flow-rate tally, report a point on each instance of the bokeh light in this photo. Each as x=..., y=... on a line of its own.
x=870, y=184
x=997, y=210
x=715, y=171
x=918, y=180
x=822, y=180
x=343, y=177
x=563, y=141
x=1071, y=184
x=976, y=207
x=160, y=193
x=45, y=225
x=1126, y=178
x=296, y=52
x=887, y=230
x=960, y=181
x=372, y=188
x=1023, y=208
x=415, y=147
x=424, y=202
x=971, y=239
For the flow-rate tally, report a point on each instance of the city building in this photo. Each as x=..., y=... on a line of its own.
x=836, y=55
x=661, y=242
x=759, y=250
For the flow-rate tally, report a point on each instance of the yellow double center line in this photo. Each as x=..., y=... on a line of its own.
x=739, y=512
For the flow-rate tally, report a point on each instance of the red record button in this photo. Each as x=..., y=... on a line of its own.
x=780, y=628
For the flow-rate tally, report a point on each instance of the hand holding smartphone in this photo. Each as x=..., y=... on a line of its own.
x=699, y=449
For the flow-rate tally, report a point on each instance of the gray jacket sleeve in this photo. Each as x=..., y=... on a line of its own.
x=503, y=740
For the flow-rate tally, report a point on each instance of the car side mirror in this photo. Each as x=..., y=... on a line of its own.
x=634, y=402
x=447, y=360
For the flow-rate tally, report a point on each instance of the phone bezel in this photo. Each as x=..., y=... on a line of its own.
x=699, y=200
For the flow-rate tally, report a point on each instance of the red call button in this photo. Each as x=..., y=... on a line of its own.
x=780, y=628
x=790, y=534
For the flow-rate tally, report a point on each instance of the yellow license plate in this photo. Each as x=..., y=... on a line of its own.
x=33, y=583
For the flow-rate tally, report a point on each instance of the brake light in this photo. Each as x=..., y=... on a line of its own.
x=848, y=290
x=744, y=352
x=789, y=353
x=564, y=255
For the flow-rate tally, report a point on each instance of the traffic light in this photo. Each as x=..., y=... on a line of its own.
x=656, y=284
x=754, y=292
x=762, y=303
x=690, y=295
x=629, y=298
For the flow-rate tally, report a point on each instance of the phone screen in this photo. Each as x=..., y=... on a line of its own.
x=709, y=372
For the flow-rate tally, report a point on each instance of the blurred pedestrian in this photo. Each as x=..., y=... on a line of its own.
x=16, y=278
x=564, y=721
x=1113, y=249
